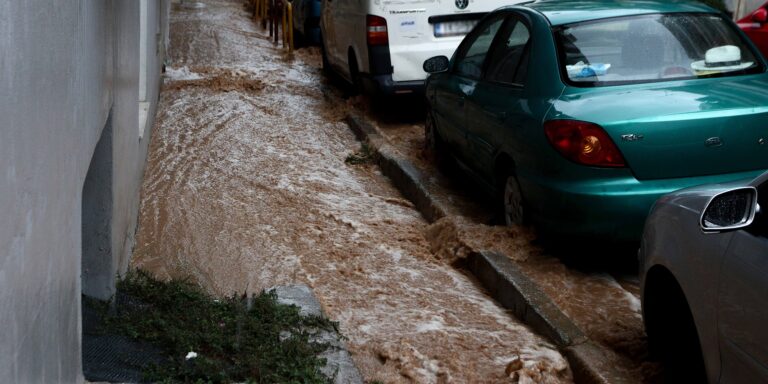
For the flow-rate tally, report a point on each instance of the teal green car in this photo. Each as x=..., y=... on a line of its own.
x=580, y=114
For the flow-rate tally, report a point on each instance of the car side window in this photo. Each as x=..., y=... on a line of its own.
x=508, y=59
x=472, y=53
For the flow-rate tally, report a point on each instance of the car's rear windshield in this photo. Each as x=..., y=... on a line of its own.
x=655, y=47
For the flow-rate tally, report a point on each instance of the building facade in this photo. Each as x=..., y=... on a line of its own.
x=80, y=83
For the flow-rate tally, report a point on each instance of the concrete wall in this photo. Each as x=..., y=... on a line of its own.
x=129, y=149
x=65, y=67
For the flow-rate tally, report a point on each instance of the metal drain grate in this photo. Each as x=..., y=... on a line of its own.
x=113, y=358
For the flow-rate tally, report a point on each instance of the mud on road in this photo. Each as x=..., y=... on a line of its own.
x=247, y=187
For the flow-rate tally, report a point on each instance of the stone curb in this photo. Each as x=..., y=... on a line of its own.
x=515, y=291
x=339, y=365
x=505, y=282
x=404, y=175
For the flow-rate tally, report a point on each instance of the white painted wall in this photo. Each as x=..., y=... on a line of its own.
x=153, y=42
x=64, y=65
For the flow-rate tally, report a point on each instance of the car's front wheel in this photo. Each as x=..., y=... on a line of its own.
x=514, y=204
x=672, y=334
x=434, y=144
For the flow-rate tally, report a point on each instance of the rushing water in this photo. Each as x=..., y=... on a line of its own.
x=247, y=187
x=596, y=286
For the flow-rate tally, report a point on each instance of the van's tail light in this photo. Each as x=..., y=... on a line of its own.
x=376, y=28
x=584, y=143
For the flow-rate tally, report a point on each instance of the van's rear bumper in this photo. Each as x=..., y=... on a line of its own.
x=384, y=85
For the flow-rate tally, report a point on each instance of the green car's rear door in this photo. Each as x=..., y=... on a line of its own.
x=454, y=90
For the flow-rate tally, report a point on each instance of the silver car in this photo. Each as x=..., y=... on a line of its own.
x=704, y=283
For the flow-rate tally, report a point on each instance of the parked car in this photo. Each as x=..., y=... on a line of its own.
x=306, y=21
x=752, y=16
x=380, y=45
x=580, y=114
x=704, y=281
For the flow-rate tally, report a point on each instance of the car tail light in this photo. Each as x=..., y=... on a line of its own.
x=584, y=143
x=377, y=30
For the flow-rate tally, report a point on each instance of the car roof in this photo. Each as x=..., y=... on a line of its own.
x=561, y=12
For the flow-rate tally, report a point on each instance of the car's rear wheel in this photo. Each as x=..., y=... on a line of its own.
x=298, y=39
x=354, y=74
x=308, y=34
x=514, y=204
x=324, y=55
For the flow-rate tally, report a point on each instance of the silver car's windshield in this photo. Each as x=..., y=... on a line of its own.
x=653, y=48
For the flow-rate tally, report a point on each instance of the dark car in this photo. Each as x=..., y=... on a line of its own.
x=582, y=113
x=306, y=21
x=704, y=282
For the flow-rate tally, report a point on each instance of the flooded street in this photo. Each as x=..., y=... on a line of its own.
x=592, y=282
x=247, y=188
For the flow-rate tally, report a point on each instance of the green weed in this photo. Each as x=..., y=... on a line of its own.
x=364, y=156
x=264, y=342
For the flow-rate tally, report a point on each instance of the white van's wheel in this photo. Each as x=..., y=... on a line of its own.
x=324, y=55
x=354, y=74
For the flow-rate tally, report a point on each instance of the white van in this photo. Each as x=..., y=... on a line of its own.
x=381, y=45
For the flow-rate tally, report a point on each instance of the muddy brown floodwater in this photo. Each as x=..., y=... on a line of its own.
x=596, y=286
x=247, y=187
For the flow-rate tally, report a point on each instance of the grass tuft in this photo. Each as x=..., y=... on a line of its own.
x=364, y=156
x=264, y=342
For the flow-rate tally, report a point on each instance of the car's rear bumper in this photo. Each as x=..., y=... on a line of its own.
x=615, y=208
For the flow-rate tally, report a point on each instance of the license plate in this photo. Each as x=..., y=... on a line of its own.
x=454, y=28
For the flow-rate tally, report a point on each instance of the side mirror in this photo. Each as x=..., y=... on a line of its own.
x=436, y=64
x=760, y=16
x=730, y=210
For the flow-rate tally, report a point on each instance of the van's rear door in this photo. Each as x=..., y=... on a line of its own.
x=420, y=29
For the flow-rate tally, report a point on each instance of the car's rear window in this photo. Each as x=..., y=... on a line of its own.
x=652, y=48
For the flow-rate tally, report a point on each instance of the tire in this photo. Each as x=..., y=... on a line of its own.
x=307, y=36
x=672, y=334
x=515, y=211
x=354, y=74
x=434, y=144
x=324, y=55
x=298, y=39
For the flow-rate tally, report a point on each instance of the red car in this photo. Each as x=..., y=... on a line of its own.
x=752, y=17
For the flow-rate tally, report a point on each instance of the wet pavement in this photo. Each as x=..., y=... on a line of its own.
x=247, y=187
